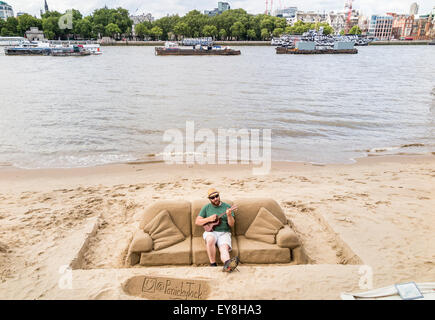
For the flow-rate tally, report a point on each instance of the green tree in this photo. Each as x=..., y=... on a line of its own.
x=181, y=29
x=26, y=21
x=238, y=30
x=141, y=30
x=83, y=28
x=251, y=34
x=327, y=29
x=278, y=32
x=167, y=24
x=196, y=22
x=156, y=33
x=10, y=28
x=280, y=23
x=267, y=23
x=112, y=30
x=97, y=30
x=265, y=34
x=355, y=30
x=50, y=25
x=76, y=22
x=222, y=34
x=119, y=16
x=210, y=31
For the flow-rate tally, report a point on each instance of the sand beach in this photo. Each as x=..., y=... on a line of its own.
x=370, y=223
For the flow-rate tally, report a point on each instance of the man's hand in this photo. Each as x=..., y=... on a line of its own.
x=229, y=210
x=212, y=218
x=230, y=218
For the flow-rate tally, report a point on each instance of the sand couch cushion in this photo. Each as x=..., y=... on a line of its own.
x=163, y=231
x=179, y=210
x=141, y=242
x=197, y=205
x=252, y=251
x=287, y=238
x=248, y=209
x=264, y=227
x=178, y=254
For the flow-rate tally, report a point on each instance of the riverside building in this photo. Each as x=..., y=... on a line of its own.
x=6, y=11
x=381, y=27
x=402, y=25
x=222, y=7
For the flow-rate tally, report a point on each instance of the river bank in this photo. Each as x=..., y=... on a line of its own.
x=162, y=43
x=399, y=43
x=251, y=43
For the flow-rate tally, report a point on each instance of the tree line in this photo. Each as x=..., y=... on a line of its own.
x=230, y=25
x=102, y=22
x=234, y=24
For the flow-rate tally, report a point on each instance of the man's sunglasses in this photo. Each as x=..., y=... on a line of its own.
x=213, y=197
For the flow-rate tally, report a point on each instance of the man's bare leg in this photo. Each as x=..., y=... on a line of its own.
x=211, y=248
x=225, y=252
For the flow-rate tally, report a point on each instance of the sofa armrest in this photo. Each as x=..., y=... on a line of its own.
x=141, y=242
x=287, y=238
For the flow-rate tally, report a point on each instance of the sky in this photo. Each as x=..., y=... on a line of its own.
x=160, y=8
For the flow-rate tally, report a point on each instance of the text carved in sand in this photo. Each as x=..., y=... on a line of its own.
x=166, y=288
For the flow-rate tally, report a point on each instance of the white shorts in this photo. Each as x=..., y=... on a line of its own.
x=220, y=237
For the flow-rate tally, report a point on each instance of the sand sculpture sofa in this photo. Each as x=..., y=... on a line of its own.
x=167, y=235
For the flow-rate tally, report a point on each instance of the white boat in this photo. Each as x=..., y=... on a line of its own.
x=13, y=41
x=94, y=48
x=169, y=45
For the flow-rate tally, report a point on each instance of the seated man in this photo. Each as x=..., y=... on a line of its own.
x=217, y=217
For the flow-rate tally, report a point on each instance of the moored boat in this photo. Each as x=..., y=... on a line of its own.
x=75, y=51
x=172, y=49
x=26, y=51
x=93, y=48
x=314, y=43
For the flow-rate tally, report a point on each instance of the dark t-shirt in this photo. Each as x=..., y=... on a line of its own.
x=208, y=210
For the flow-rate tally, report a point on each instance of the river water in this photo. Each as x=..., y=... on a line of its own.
x=85, y=111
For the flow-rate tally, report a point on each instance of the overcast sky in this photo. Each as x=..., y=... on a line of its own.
x=159, y=8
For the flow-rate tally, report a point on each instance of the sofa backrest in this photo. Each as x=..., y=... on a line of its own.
x=197, y=205
x=179, y=210
x=248, y=210
x=184, y=213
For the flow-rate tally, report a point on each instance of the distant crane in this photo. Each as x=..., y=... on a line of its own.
x=348, y=5
x=269, y=11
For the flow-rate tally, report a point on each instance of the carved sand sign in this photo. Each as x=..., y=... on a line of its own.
x=160, y=288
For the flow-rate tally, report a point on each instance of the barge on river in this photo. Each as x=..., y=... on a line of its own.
x=27, y=51
x=195, y=47
x=74, y=51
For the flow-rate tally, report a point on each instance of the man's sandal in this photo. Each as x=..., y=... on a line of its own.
x=231, y=264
